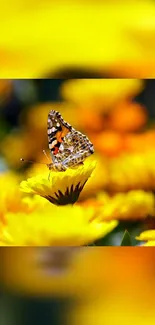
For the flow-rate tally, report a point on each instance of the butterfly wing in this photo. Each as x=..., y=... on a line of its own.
x=57, y=129
x=79, y=148
x=65, y=142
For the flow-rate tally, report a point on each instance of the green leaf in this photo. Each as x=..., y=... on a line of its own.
x=126, y=240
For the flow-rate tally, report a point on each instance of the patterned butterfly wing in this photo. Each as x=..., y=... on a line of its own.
x=65, y=143
x=57, y=129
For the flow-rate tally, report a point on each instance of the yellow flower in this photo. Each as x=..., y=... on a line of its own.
x=128, y=206
x=54, y=226
x=147, y=236
x=85, y=45
x=9, y=191
x=99, y=94
x=11, y=198
x=60, y=188
x=36, y=117
x=150, y=243
x=132, y=171
x=99, y=180
x=133, y=205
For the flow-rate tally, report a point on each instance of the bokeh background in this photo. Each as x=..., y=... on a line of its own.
x=118, y=117
x=50, y=38
x=96, y=285
x=81, y=39
x=100, y=285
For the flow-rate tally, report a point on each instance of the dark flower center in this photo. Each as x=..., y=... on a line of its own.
x=69, y=197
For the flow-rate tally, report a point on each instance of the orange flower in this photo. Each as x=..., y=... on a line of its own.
x=109, y=143
x=90, y=120
x=141, y=142
x=128, y=116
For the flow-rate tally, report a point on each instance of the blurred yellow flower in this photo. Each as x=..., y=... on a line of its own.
x=132, y=171
x=54, y=226
x=60, y=188
x=99, y=94
x=8, y=180
x=8, y=192
x=36, y=117
x=147, y=236
x=85, y=45
x=150, y=243
x=12, y=200
x=134, y=205
x=99, y=179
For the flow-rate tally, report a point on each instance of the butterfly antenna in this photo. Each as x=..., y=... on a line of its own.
x=53, y=158
x=44, y=152
x=31, y=161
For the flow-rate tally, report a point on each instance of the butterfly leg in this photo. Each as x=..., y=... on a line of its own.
x=49, y=176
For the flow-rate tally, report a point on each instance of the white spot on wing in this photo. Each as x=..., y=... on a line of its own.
x=53, y=129
x=51, y=145
x=71, y=148
x=54, y=142
x=49, y=131
x=61, y=148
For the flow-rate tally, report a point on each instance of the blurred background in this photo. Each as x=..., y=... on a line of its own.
x=100, y=285
x=111, y=109
x=118, y=116
x=77, y=38
x=81, y=39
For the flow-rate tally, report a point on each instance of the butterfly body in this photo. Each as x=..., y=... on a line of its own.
x=68, y=147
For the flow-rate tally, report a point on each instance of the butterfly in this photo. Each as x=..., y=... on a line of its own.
x=68, y=147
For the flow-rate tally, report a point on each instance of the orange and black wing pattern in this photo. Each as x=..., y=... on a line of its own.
x=57, y=129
